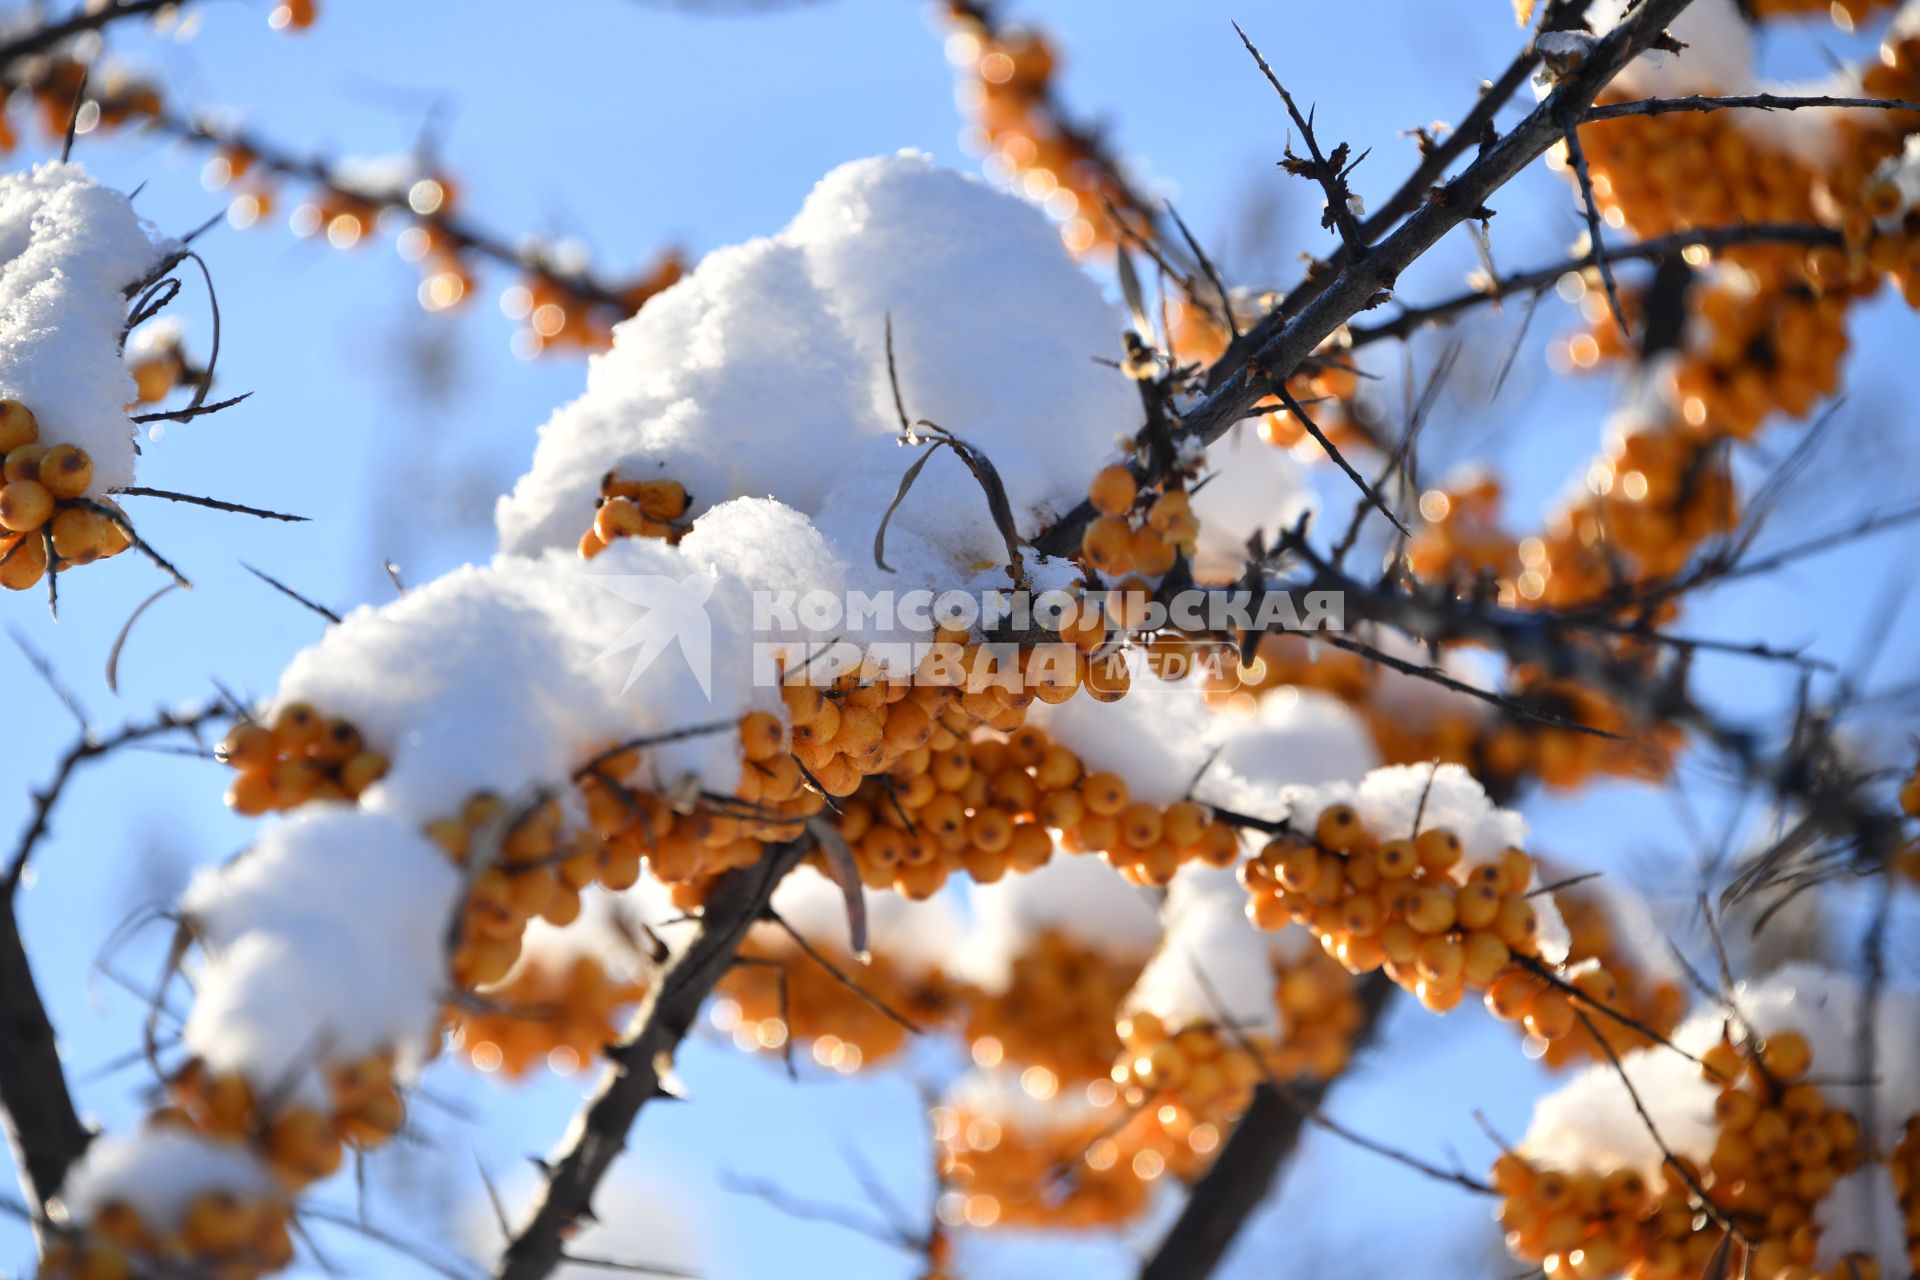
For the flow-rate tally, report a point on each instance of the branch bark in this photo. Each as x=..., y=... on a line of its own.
x=639, y=1063
x=42, y=1126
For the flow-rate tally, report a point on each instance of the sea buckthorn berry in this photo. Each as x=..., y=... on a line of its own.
x=1104, y=794
x=23, y=560
x=1786, y=1055
x=18, y=426
x=25, y=505
x=1113, y=490
x=66, y=471
x=662, y=499
x=1550, y=1016
x=81, y=536
x=1338, y=828
x=23, y=462
x=1439, y=850
x=1108, y=544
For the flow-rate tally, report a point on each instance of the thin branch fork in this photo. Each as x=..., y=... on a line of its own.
x=1328, y=174
x=638, y=1065
x=1278, y=352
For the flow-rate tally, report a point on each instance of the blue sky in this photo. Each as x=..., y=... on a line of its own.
x=633, y=126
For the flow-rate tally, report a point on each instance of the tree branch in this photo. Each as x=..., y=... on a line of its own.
x=639, y=1063
x=45, y=1131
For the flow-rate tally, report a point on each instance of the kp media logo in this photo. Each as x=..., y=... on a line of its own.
x=673, y=612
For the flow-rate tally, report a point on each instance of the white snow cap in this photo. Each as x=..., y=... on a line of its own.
x=1076, y=895
x=159, y=1173
x=324, y=942
x=764, y=371
x=69, y=248
x=1213, y=965
x=1718, y=57
x=1297, y=737
x=1389, y=799
x=1862, y=1215
x=1159, y=737
x=1590, y=1122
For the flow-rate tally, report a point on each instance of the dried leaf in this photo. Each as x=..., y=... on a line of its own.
x=1130, y=288
x=900, y=496
x=846, y=874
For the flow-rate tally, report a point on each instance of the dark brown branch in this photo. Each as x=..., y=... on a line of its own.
x=638, y=1064
x=1709, y=238
x=217, y=504
x=1755, y=101
x=1596, y=234
x=1329, y=176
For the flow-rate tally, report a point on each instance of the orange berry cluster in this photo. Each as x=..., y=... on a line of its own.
x=688, y=847
x=560, y=307
x=1411, y=906
x=1768, y=348
x=1186, y=1087
x=1057, y=1011
x=1600, y=968
x=46, y=519
x=1319, y=1008
x=1511, y=749
x=1061, y=1175
x=1667, y=173
x=1773, y=321
x=1006, y=91
x=775, y=992
x=1653, y=498
x=635, y=509
x=1779, y=1149
x=300, y=1144
x=302, y=756
x=1459, y=538
x=1116, y=542
x=985, y=805
x=535, y=868
x=218, y=1233
x=561, y=1014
